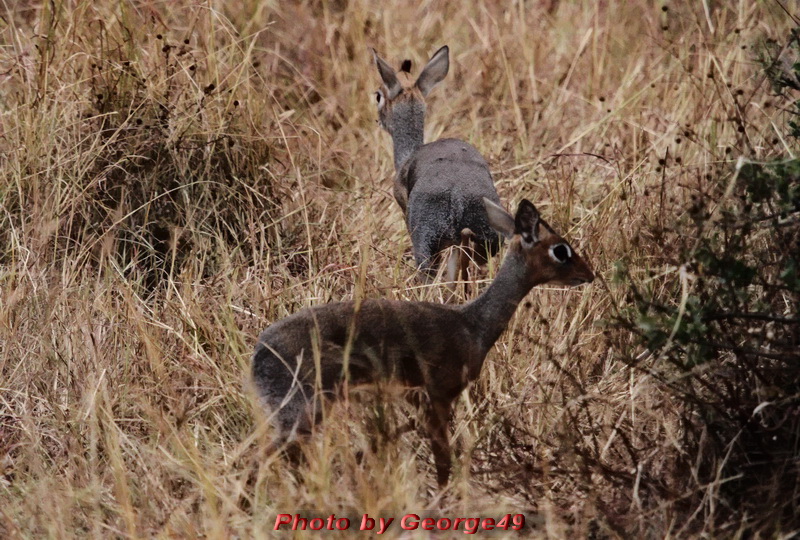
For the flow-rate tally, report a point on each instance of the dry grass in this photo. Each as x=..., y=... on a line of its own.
x=177, y=175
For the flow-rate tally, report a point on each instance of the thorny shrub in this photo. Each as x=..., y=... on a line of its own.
x=725, y=340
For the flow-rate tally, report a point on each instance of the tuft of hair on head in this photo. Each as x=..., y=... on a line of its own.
x=406, y=66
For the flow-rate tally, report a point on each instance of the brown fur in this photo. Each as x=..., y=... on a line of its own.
x=303, y=360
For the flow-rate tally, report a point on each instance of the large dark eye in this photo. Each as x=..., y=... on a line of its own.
x=379, y=98
x=560, y=252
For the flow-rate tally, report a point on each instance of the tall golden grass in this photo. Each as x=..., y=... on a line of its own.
x=178, y=175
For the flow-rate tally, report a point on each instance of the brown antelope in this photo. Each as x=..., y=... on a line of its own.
x=439, y=186
x=304, y=360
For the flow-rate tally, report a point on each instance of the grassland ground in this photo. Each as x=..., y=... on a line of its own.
x=174, y=176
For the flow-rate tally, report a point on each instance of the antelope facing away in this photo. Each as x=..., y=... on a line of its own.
x=439, y=186
x=306, y=359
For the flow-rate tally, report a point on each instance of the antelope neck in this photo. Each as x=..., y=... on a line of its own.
x=493, y=309
x=407, y=131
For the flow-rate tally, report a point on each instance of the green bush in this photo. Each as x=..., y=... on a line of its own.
x=725, y=340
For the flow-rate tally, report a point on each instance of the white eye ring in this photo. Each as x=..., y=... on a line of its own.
x=380, y=99
x=565, y=252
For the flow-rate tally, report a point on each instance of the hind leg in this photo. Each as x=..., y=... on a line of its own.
x=295, y=414
x=424, y=246
x=424, y=256
x=426, y=239
x=289, y=412
x=285, y=394
x=427, y=247
x=292, y=424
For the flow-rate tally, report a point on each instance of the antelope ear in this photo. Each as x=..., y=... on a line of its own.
x=526, y=222
x=388, y=76
x=435, y=70
x=499, y=219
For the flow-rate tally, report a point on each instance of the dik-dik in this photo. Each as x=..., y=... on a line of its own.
x=439, y=186
x=304, y=360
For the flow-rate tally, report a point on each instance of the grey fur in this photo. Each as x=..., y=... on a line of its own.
x=440, y=185
x=446, y=182
x=302, y=361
